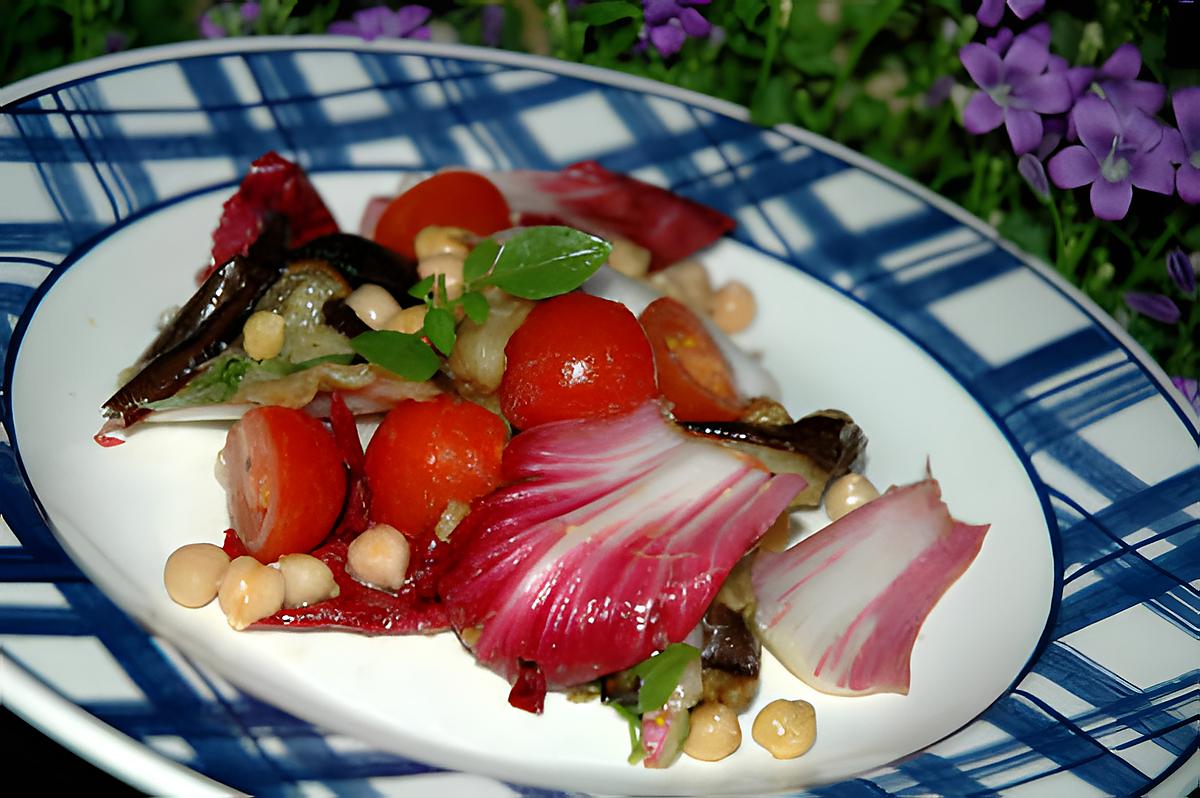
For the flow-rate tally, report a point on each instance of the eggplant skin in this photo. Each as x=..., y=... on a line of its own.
x=361, y=260
x=203, y=327
x=821, y=447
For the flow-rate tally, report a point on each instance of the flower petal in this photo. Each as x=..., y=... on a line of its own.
x=1027, y=57
x=1143, y=95
x=1073, y=167
x=1140, y=131
x=982, y=114
x=659, y=11
x=990, y=12
x=1154, y=306
x=982, y=64
x=1024, y=9
x=999, y=43
x=1024, y=129
x=1152, y=171
x=1047, y=94
x=693, y=23
x=1124, y=64
x=1111, y=200
x=1096, y=124
x=1186, y=103
x=1190, y=389
x=667, y=39
x=411, y=17
x=1187, y=183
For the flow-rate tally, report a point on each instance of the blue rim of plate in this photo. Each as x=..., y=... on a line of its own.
x=1068, y=393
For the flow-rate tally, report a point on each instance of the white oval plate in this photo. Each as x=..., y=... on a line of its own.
x=937, y=340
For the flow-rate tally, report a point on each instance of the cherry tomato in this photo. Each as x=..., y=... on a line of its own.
x=692, y=372
x=450, y=199
x=285, y=480
x=426, y=454
x=576, y=356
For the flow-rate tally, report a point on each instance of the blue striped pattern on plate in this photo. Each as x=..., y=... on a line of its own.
x=1108, y=705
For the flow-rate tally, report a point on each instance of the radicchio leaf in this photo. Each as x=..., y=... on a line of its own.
x=841, y=609
x=611, y=544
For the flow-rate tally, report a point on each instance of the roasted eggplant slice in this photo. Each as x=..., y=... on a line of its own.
x=361, y=260
x=203, y=327
x=820, y=447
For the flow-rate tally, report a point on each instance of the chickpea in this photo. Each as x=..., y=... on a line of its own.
x=373, y=304
x=714, y=733
x=306, y=580
x=409, y=320
x=733, y=307
x=629, y=258
x=686, y=281
x=778, y=535
x=193, y=573
x=250, y=591
x=262, y=335
x=437, y=240
x=846, y=493
x=379, y=557
x=786, y=729
x=444, y=264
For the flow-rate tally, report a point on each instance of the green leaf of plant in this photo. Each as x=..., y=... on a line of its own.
x=475, y=305
x=636, y=752
x=217, y=383
x=439, y=328
x=660, y=674
x=480, y=260
x=402, y=353
x=422, y=289
x=605, y=12
x=542, y=262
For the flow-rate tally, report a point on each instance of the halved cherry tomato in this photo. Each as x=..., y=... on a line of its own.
x=692, y=372
x=426, y=454
x=285, y=479
x=450, y=199
x=576, y=356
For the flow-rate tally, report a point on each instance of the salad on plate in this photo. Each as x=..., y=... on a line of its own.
x=510, y=408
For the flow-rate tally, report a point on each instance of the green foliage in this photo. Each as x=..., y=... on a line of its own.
x=874, y=75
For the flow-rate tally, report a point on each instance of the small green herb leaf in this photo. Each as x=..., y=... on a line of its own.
x=480, y=260
x=542, y=262
x=660, y=674
x=422, y=289
x=475, y=305
x=405, y=354
x=439, y=327
x=609, y=11
x=636, y=752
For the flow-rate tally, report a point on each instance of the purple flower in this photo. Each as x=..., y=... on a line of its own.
x=1186, y=103
x=1179, y=267
x=1190, y=389
x=406, y=22
x=1016, y=90
x=1118, y=83
x=209, y=29
x=491, y=25
x=250, y=12
x=992, y=11
x=1116, y=155
x=1154, y=306
x=1031, y=169
x=1000, y=43
x=669, y=23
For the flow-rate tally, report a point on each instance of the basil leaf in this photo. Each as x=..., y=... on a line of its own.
x=439, y=328
x=422, y=289
x=402, y=353
x=480, y=260
x=542, y=262
x=636, y=752
x=660, y=674
x=475, y=305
